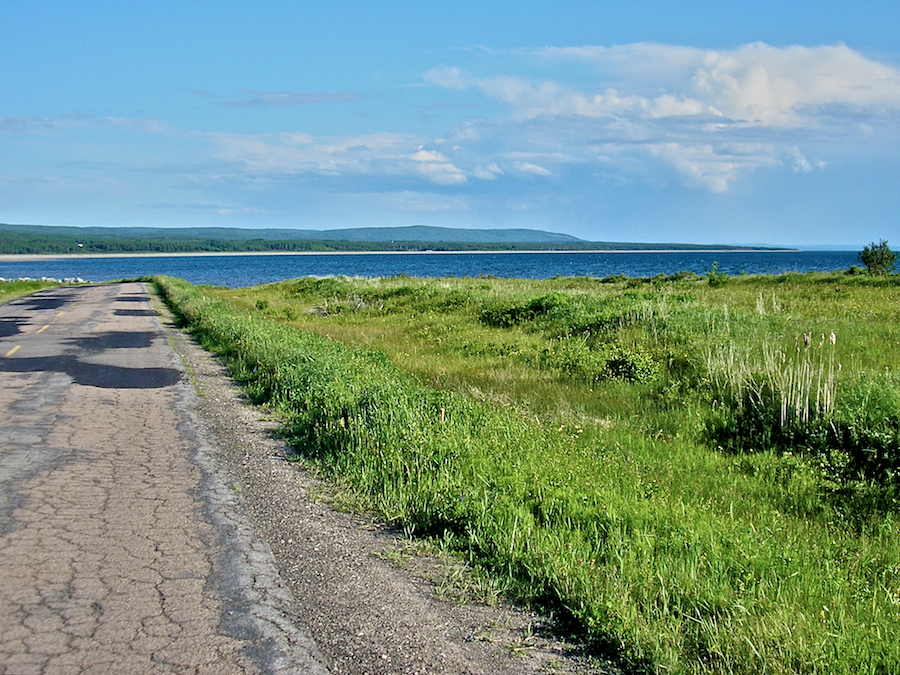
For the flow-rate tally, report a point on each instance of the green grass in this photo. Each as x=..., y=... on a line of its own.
x=618, y=451
x=16, y=289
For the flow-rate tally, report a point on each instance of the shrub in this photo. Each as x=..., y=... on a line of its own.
x=507, y=313
x=715, y=277
x=866, y=429
x=574, y=358
x=630, y=363
x=878, y=258
x=503, y=313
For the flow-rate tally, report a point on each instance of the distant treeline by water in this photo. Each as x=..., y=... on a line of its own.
x=60, y=246
x=39, y=239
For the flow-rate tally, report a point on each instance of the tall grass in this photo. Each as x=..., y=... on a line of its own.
x=791, y=388
x=669, y=555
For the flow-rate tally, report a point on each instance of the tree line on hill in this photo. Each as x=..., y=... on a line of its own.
x=13, y=242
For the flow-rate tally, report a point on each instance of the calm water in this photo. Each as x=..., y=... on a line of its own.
x=249, y=270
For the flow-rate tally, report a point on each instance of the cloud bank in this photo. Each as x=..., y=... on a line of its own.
x=640, y=113
x=535, y=132
x=703, y=117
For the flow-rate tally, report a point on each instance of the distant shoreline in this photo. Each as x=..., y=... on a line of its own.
x=28, y=257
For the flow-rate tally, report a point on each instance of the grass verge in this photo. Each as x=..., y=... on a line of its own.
x=16, y=289
x=669, y=554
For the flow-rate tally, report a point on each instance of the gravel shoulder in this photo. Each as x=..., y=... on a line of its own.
x=371, y=602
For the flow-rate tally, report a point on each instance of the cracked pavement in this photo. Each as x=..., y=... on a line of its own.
x=149, y=523
x=120, y=548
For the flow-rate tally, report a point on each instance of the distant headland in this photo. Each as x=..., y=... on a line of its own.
x=66, y=240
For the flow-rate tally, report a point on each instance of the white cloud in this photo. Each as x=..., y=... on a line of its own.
x=417, y=202
x=755, y=83
x=437, y=168
x=706, y=117
x=534, y=169
x=374, y=155
x=699, y=165
x=651, y=114
x=489, y=172
x=147, y=125
x=798, y=162
x=428, y=156
x=774, y=86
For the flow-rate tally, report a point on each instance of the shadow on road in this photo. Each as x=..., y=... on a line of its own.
x=135, y=312
x=115, y=340
x=94, y=374
x=42, y=301
x=9, y=327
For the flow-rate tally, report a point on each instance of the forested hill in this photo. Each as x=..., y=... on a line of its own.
x=37, y=239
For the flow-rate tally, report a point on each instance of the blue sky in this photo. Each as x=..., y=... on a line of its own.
x=699, y=122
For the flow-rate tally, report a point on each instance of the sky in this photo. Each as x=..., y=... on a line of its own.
x=645, y=121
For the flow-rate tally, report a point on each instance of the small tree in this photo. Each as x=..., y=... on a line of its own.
x=878, y=258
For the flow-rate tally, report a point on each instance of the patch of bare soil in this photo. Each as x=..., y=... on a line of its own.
x=371, y=599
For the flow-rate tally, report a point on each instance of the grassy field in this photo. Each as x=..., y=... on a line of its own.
x=700, y=473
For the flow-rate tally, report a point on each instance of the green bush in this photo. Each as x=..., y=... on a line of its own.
x=504, y=313
x=878, y=258
x=715, y=277
x=630, y=363
x=866, y=428
x=573, y=357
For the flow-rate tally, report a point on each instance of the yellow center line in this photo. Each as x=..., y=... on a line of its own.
x=59, y=314
x=42, y=329
x=13, y=350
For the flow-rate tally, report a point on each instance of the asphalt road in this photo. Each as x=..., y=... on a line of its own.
x=149, y=523
x=118, y=552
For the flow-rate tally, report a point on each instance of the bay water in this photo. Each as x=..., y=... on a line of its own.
x=249, y=270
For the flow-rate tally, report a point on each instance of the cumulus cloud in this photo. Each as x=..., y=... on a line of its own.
x=437, y=168
x=705, y=116
x=755, y=83
x=550, y=119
